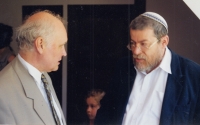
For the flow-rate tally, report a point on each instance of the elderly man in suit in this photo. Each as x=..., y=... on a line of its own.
x=27, y=96
x=154, y=86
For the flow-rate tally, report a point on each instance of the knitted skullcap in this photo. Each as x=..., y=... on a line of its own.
x=157, y=18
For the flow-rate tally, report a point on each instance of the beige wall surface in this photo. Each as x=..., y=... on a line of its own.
x=184, y=26
x=83, y=2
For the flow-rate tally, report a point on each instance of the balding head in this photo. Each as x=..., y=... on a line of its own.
x=41, y=39
x=39, y=24
x=42, y=15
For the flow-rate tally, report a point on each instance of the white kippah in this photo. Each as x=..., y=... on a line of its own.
x=157, y=18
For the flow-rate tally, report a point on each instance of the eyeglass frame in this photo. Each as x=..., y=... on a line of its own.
x=129, y=45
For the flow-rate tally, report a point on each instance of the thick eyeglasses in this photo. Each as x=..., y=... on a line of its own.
x=141, y=46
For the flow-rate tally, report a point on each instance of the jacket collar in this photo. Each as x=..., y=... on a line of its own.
x=172, y=91
x=32, y=91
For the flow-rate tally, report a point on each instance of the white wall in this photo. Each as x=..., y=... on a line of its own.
x=184, y=26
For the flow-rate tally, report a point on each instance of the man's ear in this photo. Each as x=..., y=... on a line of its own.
x=39, y=44
x=165, y=41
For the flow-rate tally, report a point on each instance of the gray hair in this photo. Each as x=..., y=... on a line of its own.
x=141, y=22
x=27, y=33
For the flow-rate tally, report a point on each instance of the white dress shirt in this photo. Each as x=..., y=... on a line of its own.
x=36, y=74
x=145, y=101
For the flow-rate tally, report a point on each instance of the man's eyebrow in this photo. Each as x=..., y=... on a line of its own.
x=145, y=40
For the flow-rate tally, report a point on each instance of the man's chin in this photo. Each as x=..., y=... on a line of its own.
x=141, y=68
x=144, y=69
x=54, y=69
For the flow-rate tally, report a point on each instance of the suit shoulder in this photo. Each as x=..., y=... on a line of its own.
x=6, y=74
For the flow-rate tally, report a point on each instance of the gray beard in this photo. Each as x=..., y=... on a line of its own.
x=149, y=66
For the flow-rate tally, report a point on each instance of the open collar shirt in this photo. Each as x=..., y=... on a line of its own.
x=145, y=101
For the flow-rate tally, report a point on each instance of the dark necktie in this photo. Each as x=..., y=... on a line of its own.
x=48, y=91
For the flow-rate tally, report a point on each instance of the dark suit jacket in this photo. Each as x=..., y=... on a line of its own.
x=181, y=104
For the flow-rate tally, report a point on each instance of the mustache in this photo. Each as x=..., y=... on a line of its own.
x=139, y=57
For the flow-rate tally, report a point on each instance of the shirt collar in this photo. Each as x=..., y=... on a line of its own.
x=165, y=63
x=35, y=73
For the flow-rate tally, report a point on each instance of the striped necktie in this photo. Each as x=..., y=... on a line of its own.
x=48, y=91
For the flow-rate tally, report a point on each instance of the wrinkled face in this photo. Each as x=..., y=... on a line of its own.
x=147, y=50
x=92, y=107
x=55, y=50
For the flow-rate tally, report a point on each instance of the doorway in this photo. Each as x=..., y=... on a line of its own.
x=97, y=39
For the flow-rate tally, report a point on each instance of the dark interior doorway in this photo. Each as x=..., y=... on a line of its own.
x=97, y=38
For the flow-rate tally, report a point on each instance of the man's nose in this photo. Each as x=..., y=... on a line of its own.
x=136, y=50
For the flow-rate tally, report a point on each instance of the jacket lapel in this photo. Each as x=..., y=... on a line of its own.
x=172, y=92
x=32, y=91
